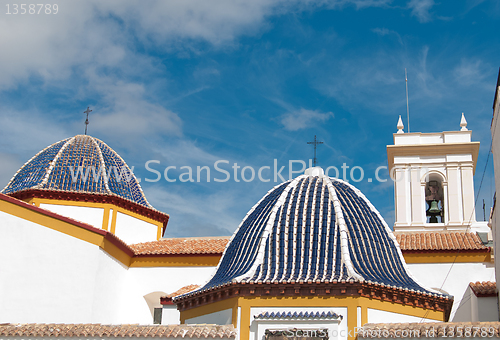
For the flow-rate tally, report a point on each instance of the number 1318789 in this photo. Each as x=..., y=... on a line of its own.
x=32, y=9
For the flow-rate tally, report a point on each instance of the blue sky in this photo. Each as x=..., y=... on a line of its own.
x=188, y=83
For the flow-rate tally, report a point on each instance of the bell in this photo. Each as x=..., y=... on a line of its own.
x=434, y=208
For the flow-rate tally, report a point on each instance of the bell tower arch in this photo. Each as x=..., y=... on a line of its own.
x=433, y=177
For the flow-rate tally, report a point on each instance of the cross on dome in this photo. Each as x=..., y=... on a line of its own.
x=87, y=120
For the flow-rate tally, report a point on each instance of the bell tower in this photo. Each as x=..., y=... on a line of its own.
x=433, y=177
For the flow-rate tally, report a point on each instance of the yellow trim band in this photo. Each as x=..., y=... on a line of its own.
x=447, y=257
x=175, y=261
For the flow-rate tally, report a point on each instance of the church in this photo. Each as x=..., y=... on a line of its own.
x=82, y=250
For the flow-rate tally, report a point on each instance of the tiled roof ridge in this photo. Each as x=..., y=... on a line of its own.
x=124, y=330
x=484, y=289
x=195, y=238
x=427, y=329
x=182, y=246
x=300, y=315
x=425, y=241
x=183, y=290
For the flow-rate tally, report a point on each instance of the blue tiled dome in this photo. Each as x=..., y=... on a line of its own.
x=310, y=229
x=56, y=167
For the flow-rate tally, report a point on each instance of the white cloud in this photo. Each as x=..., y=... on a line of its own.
x=302, y=119
x=420, y=9
x=126, y=111
x=101, y=34
x=183, y=152
x=27, y=132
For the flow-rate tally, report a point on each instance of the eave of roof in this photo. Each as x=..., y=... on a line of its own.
x=167, y=300
x=484, y=289
x=323, y=289
x=95, y=198
x=428, y=242
x=117, y=331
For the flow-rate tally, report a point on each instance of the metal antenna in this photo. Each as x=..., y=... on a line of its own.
x=484, y=211
x=315, y=143
x=87, y=120
x=407, y=106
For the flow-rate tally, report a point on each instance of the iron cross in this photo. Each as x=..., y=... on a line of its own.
x=315, y=143
x=87, y=120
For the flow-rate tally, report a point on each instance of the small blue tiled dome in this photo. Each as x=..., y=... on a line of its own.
x=82, y=164
x=313, y=229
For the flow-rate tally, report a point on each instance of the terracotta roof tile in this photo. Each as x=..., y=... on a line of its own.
x=183, y=290
x=485, y=288
x=97, y=330
x=433, y=329
x=189, y=245
x=439, y=241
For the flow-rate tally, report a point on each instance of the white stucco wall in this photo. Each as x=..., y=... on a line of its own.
x=92, y=216
x=129, y=229
x=380, y=316
x=170, y=315
x=474, y=308
x=132, y=230
x=223, y=317
x=487, y=308
x=50, y=277
x=142, y=281
x=432, y=275
x=495, y=135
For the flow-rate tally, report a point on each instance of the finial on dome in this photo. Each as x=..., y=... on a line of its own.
x=314, y=171
x=463, y=123
x=400, y=125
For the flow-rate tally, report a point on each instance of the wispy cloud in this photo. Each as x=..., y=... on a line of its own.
x=421, y=9
x=384, y=31
x=471, y=72
x=196, y=215
x=303, y=118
